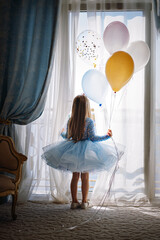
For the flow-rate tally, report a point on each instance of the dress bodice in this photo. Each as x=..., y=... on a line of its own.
x=89, y=132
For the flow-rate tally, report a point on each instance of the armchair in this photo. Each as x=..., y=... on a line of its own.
x=10, y=170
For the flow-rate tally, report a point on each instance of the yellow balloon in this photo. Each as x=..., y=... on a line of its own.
x=119, y=70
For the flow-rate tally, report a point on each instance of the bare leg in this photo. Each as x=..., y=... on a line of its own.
x=74, y=183
x=85, y=186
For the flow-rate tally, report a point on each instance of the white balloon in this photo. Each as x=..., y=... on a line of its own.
x=116, y=37
x=94, y=85
x=140, y=53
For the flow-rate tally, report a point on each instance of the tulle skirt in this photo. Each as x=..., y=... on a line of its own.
x=82, y=156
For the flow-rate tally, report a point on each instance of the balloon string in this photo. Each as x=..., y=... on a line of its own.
x=98, y=208
x=112, y=105
x=108, y=191
x=124, y=92
x=107, y=195
x=104, y=197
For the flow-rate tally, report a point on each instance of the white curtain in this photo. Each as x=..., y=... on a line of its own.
x=129, y=123
x=157, y=117
x=154, y=163
x=39, y=182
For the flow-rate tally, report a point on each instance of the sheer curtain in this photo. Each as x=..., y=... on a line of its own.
x=157, y=111
x=39, y=179
x=131, y=117
x=154, y=164
x=128, y=121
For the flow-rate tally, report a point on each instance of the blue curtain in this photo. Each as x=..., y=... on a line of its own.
x=27, y=36
x=156, y=7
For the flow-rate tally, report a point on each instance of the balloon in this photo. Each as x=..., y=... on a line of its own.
x=119, y=69
x=89, y=47
x=115, y=37
x=140, y=53
x=94, y=85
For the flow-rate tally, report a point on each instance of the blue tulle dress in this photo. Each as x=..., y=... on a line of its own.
x=87, y=155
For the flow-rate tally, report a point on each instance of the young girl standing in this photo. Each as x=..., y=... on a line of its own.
x=81, y=152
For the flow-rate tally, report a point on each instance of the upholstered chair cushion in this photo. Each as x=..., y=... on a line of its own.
x=8, y=160
x=11, y=163
x=6, y=183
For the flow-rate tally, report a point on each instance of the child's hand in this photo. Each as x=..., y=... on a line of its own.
x=109, y=133
x=62, y=130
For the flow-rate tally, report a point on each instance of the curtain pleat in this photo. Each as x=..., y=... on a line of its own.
x=27, y=30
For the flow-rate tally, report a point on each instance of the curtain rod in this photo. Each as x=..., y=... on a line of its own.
x=117, y=6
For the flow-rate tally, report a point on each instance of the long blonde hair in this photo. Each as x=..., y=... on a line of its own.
x=80, y=110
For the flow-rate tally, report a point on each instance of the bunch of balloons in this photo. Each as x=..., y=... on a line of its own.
x=124, y=61
x=122, y=64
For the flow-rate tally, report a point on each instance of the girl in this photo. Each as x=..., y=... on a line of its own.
x=81, y=151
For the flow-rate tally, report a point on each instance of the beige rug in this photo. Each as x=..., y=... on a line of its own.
x=51, y=221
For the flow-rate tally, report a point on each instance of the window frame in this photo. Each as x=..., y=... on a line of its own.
x=149, y=169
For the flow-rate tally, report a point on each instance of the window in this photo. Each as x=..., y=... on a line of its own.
x=125, y=112
x=127, y=119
